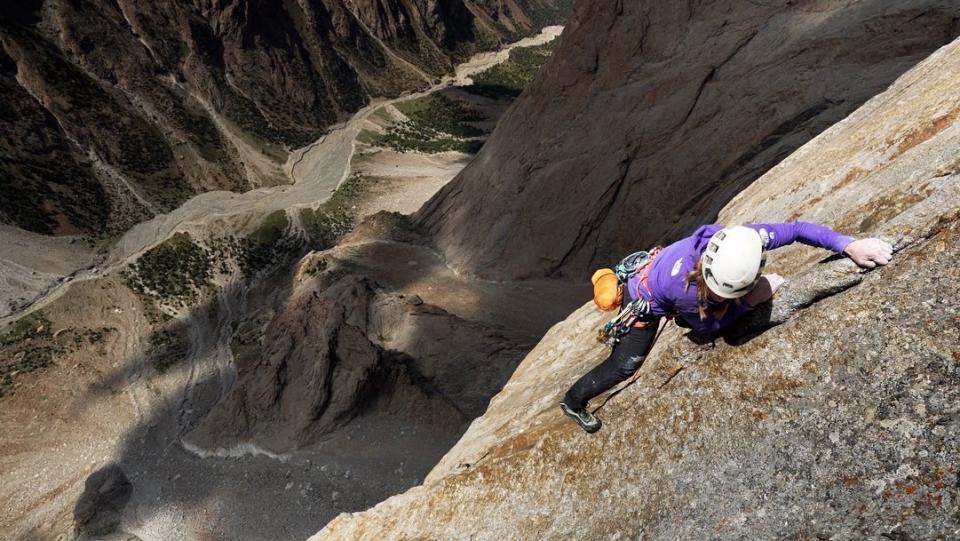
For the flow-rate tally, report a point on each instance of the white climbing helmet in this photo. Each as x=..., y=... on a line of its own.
x=733, y=260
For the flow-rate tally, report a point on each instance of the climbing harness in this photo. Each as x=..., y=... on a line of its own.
x=636, y=313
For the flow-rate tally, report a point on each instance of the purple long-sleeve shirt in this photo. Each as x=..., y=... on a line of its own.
x=668, y=293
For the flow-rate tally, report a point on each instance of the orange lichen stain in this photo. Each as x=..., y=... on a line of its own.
x=924, y=133
x=779, y=385
x=809, y=366
x=855, y=173
x=798, y=212
x=852, y=175
x=520, y=442
x=881, y=209
x=905, y=487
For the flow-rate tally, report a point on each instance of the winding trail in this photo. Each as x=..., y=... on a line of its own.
x=316, y=171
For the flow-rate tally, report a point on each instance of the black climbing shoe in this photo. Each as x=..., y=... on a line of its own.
x=587, y=421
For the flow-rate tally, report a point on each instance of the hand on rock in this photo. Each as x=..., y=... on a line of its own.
x=764, y=290
x=869, y=253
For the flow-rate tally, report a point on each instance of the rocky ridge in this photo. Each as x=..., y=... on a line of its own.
x=649, y=118
x=831, y=413
x=343, y=346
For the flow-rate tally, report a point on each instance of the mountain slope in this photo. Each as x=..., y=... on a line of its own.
x=831, y=413
x=146, y=104
x=651, y=116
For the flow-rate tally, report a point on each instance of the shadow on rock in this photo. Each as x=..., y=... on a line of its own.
x=100, y=508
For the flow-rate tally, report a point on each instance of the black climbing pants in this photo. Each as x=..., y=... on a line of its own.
x=624, y=360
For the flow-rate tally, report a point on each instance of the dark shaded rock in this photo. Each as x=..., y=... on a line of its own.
x=100, y=507
x=651, y=116
x=342, y=347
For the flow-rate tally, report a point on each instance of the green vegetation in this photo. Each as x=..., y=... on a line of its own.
x=175, y=271
x=382, y=115
x=30, y=345
x=245, y=345
x=317, y=267
x=116, y=130
x=368, y=137
x=123, y=212
x=224, y=249
x=189, y=118
x=441, y=114
x=39, y=177
x=337, y=216
x=246, y=115
x=509, y=78
x=269, y=243
x=547, y=14
x=32, y=326
x=168, y=347
x=436, y=124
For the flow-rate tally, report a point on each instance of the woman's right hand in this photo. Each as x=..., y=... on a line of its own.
x=764, y=290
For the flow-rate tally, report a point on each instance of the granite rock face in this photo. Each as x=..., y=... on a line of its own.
x=832, y=413
x=652, y=115
x=115, y=111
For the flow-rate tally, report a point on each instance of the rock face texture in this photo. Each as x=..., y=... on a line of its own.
x=342, y=347
x=831, y=414
x=115, y=111
x=652, y=115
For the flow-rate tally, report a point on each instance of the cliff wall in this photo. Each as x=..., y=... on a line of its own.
x=830, y=413
x=650, y=117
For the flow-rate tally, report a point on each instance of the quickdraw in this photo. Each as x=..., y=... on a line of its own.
x=637, y=312
x=634, y=314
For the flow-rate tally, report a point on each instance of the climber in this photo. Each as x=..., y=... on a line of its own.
x=706, y=281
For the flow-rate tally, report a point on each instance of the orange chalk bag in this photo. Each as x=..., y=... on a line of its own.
x=608, y=291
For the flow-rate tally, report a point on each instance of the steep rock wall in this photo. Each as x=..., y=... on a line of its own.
x=830, y=413
x=652, y=115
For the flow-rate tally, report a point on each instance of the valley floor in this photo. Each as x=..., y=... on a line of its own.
x=104, y=399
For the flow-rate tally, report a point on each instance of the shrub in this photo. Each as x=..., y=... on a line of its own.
x=176, y=270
